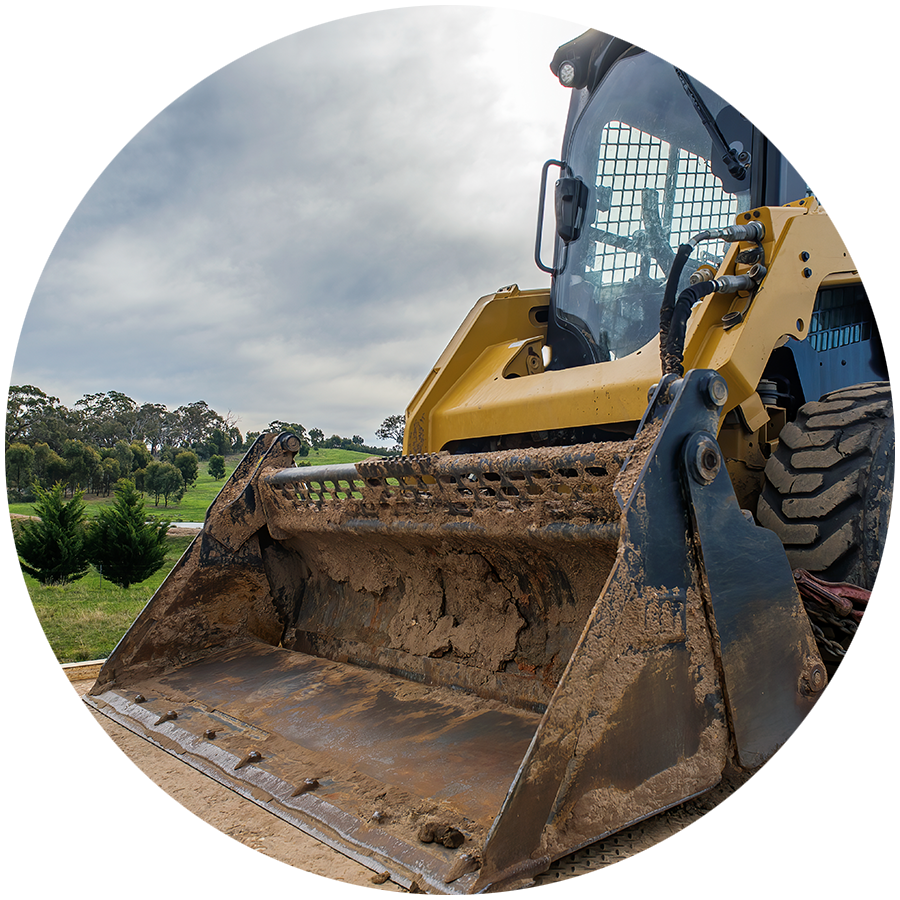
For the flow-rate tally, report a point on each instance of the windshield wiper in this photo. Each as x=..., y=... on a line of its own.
x=729, y=157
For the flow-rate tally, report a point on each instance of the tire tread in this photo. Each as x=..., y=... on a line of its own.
x=821, y=491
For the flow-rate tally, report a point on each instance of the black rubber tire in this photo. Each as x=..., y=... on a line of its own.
x=828, y=485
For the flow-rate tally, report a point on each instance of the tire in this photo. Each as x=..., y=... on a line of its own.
x=827, y=489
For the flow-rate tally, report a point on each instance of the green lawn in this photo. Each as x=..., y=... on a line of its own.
x=86, y=619
x=329, y=457
x=191, y=508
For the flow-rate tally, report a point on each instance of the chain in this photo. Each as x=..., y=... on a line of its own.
x=825, y=858
x=848, y=611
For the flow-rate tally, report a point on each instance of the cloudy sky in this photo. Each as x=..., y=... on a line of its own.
x=285, y=211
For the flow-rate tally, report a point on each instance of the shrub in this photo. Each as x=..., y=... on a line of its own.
x=12, y=529
x=122, y=544
x=52, y=548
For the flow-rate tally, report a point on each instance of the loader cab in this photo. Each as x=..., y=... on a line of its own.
x=653, y=176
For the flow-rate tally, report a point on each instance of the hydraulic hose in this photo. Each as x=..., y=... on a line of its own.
x=752, y=231
x=673, y=352
x=669, y=298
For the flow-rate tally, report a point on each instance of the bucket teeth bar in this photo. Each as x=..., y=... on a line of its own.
x=553, y=485
x=524, y=651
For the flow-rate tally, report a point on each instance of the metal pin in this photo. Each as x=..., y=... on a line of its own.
x=166, y=717
x=252, y=757
x=309, y=784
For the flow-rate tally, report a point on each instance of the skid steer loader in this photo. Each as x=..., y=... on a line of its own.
x=564, y=608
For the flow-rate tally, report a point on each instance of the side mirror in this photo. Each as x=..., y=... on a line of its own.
x=571, y=204
x=571, y=198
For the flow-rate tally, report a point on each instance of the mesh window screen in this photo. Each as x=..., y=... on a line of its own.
x=688, y=196
x=852, y=129
x=642, y=149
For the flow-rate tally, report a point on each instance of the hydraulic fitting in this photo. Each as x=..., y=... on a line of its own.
x=752, y=231
x=702, y=273
x=731, y=284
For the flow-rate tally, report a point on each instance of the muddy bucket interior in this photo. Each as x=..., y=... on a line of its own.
x=457, y=669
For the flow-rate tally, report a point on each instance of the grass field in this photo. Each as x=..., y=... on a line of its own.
x=85, y=619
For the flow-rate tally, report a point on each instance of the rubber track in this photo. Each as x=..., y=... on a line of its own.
x=828, y=484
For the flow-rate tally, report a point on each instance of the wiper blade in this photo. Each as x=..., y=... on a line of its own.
x=729, y=157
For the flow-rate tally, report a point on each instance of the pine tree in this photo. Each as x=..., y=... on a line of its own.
x=122, y=544
x=52, y=548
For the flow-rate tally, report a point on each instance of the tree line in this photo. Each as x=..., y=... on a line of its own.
x=106, y=437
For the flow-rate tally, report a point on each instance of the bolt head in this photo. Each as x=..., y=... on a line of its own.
x=717, y=390
x=706, y=460
x=817, y=678
x=813, y=678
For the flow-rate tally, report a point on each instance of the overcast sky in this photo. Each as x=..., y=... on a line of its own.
x=285, y=211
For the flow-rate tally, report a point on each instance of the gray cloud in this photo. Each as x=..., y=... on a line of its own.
x=285, y=211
